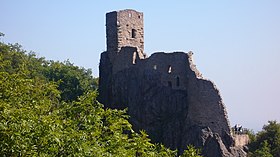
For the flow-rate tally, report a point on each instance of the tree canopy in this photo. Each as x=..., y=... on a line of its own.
x=49, y=108
x=266, y=142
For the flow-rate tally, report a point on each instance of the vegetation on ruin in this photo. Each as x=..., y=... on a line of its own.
x=49, y=108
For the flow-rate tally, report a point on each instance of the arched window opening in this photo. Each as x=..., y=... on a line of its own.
x=177, y=81
x=169, y=69
x=133, y=33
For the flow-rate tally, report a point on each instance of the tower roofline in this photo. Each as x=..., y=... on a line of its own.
x=124, y=10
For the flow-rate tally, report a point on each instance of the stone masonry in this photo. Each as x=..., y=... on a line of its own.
x=125, y=28
x=165, y=93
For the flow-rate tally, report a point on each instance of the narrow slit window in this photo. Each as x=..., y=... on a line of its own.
x=178, y=81
x=133, y=33
x=169, y=69
x=134, y=58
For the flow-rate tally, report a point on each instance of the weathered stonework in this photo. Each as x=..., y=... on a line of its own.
x=241, y=140
x=165, y=93
x=125, y=28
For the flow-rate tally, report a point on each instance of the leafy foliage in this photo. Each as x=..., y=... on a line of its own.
x=72, y=81
x=263, y=151
x=49, y=108
x=267, y=141
x=191, y=152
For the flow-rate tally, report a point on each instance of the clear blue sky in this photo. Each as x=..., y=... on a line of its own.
x=236, y=43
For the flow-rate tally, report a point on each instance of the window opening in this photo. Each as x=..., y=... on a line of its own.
x=177, y=81
x=134, y=58
x=169, y=69
x=133, y=34
x=155, y=67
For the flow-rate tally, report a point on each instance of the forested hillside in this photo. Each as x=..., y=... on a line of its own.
x=49, y=108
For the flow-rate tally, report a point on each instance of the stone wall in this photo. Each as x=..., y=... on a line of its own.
x=165, y=93
x=125, y=28
x=241, y=140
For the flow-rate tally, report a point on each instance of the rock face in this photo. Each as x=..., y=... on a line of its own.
x=165, y=94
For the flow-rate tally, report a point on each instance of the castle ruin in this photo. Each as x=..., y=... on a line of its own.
x=165, y=94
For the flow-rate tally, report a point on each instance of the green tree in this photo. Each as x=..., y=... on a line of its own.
x=191, y=151
x=252, y=135
x=267, y=140
x=73, y=80
x=263, y=151
x=38, y=118
x=25, y=113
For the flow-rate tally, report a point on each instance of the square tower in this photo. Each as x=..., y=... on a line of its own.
x=125, y=28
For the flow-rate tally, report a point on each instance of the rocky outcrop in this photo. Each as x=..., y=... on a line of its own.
x=166, y=96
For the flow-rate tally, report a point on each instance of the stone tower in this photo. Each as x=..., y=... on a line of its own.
x=125, y=28
x=165, y=94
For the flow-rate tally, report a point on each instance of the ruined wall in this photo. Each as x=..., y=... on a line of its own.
x=175, y=112
x=173, y=71
x=241, y=140
x=165, y=93
x=169, y=67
